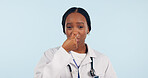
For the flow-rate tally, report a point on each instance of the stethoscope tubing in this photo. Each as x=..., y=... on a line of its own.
x=92, y=71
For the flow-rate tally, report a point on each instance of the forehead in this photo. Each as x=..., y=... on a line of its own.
x=75, y=17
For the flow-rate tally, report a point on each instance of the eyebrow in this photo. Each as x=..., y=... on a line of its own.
x=76, y=23
x=68, y=23
x=80, y=23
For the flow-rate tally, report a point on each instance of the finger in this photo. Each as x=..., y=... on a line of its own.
x=76, y=36
x=76, y=42
x=72, y=36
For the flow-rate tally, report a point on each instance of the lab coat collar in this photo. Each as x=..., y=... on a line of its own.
x=90, y=53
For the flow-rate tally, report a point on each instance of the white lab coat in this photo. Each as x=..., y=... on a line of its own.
x=54, y=65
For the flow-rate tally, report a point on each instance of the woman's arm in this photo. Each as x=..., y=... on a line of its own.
x=110, y=73
x=51, y=64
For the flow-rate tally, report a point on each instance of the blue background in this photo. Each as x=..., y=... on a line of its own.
x=30, y=27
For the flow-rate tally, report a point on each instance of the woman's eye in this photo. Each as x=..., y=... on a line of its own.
x=80, y=26
x=69, y=27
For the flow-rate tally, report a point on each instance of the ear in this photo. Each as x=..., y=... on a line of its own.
x=65, y=33
x=87, y=30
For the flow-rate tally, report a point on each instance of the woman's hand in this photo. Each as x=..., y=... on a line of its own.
x=71, y=43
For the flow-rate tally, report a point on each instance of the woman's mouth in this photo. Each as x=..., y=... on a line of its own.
x=77, y=39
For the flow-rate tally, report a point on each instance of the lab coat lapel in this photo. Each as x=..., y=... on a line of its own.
x=87, y=59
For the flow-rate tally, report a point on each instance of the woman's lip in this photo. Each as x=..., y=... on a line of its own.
x=77, y=39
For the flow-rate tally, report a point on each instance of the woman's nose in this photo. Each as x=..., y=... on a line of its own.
x=75, y=31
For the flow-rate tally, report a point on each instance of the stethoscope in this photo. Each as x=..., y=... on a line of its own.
x=92, y=71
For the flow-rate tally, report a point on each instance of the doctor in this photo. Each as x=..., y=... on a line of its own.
x=74, y=59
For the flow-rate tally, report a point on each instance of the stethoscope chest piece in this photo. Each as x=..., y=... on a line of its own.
x=96, y=76
x=92, y=72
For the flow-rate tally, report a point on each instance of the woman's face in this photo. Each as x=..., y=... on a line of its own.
x=76, y=25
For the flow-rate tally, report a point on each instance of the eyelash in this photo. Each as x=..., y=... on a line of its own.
x=80, y=26
x=71, y=27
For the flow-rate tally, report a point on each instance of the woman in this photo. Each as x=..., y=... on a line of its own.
x=74, y=59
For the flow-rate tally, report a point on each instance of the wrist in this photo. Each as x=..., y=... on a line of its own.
x=66, y=49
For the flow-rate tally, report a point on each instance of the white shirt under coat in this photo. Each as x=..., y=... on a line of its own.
x=54, y=63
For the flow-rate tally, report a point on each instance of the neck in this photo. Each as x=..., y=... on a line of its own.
x=81, y=48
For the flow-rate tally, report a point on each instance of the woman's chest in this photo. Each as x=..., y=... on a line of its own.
x=83, y=71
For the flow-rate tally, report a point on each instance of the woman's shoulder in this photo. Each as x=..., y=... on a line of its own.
x=98, y=54
x=49, y=53
x=52, y=50
x=101, y=58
